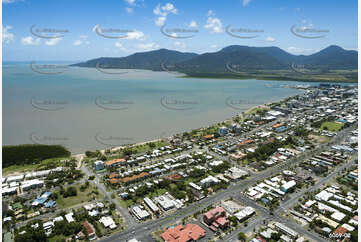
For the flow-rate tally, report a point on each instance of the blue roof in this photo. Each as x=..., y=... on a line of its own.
x=46, y=194
x=281, y=129
x=41, y=200
x=50, y=204
x=265, y=200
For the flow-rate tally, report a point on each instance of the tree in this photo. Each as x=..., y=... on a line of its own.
x=112, y=206
x=242, y=236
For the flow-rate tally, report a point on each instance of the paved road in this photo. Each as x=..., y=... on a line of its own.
x=143, y=230
x=264, y=213
x=130, y=221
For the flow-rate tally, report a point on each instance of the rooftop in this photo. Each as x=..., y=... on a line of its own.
x=191, y=232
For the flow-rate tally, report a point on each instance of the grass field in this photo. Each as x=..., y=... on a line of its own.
x=57, y=238
x=81, y=197
x=45, y=164
x=254, y=110
x=332, y=126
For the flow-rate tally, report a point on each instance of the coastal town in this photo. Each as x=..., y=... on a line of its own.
x=283, y=171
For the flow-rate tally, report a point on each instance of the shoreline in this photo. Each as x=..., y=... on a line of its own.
x=159, y=139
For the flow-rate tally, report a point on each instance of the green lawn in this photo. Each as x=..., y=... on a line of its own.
x=254, y=110
x=45, y=164
x=125, y=203
x=57, y=238
x=81, y=197
x=332, y=126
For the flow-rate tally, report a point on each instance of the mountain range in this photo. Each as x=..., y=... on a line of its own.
x=230, y=60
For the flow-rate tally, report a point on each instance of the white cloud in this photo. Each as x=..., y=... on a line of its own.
x=29, y=40
x=298, y=50
x=193, y=24
x=8, y=1
x=131, y=2
x=83, y=40
x=7, y=36
x=270, y=39
x=168, y=7
x=149, y=46
x=213, y=23
x=162, y=12
x=53, y=42
x=129, y=10
x=77, y=42
x=180, y=45
x=120, y=46
x=160, y=21
x=246, y=2
x=137, y=35
x=210, y=13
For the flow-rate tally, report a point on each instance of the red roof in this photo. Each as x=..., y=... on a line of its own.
x=340, y=231
x=261, y=239
x=115, y=161
x=214, y=212
x=134, y=177
x=215, y=224
x=88, y=227
x=114, y=175
x=174, y=177
x=222, y=221
x=183, y=234
x=245, y=142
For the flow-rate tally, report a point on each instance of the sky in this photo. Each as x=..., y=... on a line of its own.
x=70, y=30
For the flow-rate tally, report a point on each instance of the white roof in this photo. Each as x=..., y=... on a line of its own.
x=324, y=195
x=93, y=213
x=165, y=202
x=216, y=163
x=338, y=216
x=48, y=224
x=140, y=212
x=151, y=204
x=348, y=227
x=289, y=184
x=69, y=217
x=107, y=222
x=58, y=219
x=89, y=206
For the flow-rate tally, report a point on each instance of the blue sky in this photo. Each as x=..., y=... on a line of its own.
x=141, y=21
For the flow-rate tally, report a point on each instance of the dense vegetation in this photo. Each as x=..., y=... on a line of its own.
x=332, y=63
x=30, y=153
